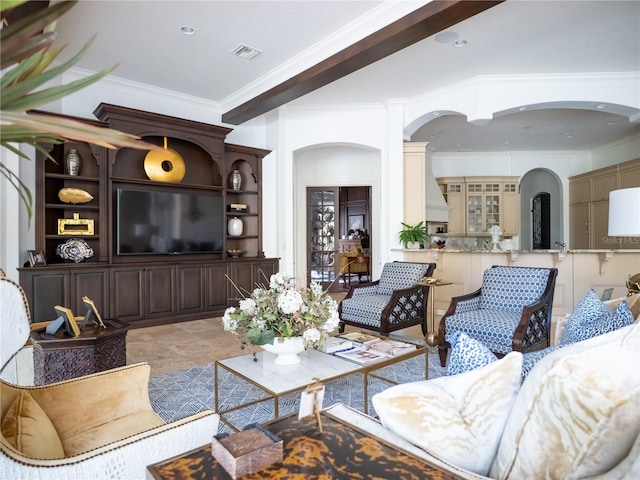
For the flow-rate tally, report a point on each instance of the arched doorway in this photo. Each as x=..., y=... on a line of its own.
x=541, y=216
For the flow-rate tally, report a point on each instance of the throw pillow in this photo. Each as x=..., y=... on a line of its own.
x=467, y=354
x=27, y=428
x=458, y=418
x=576, y=415
x=589, y=309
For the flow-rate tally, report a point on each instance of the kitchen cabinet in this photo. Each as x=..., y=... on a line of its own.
x=452, y=189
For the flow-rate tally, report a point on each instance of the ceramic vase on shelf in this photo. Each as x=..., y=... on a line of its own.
x=234, y=227
x=72, y=162
x=286, y=350
x=236, y=180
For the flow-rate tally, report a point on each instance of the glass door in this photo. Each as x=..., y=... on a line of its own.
x=322, y=222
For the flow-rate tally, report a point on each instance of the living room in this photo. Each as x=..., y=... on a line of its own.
x=344, y=141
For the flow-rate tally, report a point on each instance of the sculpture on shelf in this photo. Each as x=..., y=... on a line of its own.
x=495, y=232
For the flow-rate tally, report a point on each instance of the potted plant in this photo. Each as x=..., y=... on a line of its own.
x=412, y=236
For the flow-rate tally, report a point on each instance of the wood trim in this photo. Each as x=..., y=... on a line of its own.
x=418, y=25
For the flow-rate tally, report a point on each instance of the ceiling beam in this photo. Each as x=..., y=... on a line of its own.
x=428, y=20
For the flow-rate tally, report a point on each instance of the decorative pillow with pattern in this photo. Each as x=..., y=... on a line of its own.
x=585, y=326
x=576, y=415
x=589, y=309
x=467, y=354
x=458, y=418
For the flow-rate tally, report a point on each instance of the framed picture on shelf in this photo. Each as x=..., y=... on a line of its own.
x=36, y=258
x=356, y=222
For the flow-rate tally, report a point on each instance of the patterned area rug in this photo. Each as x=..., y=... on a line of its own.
x=179, y=394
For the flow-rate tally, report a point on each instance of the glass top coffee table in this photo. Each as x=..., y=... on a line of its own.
x=275, y=383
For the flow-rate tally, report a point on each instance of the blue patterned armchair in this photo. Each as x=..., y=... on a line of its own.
x=391, y=303
x=510, y=312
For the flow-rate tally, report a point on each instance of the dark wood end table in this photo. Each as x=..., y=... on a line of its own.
x=61, y=356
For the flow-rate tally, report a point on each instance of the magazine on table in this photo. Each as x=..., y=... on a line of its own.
x=360, y=355
x=392, y=348
x=359, y=338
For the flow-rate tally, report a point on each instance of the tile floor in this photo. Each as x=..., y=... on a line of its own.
x=182, y=345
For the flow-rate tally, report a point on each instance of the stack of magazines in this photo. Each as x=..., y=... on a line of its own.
x=365, y=348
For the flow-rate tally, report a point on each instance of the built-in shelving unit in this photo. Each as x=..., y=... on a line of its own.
x=152, y=287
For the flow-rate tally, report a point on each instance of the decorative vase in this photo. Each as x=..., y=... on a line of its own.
x=286, y=350
x=72, y=162
x=236, y=180
x=235, y=227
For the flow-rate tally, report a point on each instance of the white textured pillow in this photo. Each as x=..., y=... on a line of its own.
x=577, y=412
x=459, y=418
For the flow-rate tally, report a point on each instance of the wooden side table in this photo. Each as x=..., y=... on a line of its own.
x=61, y=357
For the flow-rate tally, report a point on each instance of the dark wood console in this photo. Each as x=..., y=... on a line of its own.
x=153, y=286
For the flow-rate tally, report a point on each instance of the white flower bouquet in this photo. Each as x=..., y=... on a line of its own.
x=283, y=310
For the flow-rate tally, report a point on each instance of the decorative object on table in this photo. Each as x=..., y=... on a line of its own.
x=286, y=349
x=72, y=162
x=92, y=312
x=74, y=195
x=311, y=402
x=282, y=310
x=633, y=284
x=69, y=320
x=75, y=225
x=412, y=236
x=236, y=180
x=165, y=166
x=36, y=258
x=235, y=227
x=495, y=232
x=235, y=253
x=247, y=451
x=75, y=250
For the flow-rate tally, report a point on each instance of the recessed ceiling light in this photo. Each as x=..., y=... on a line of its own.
x=187, y=30
x=611, y=122
x=522, y=108
x=446, y=37
x=245, y=51
x=465, y=150
x=601, y=106
x=507, y=142
x=435, y=114
x=460, y=43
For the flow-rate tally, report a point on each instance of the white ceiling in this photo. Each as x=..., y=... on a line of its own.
x=516, y=37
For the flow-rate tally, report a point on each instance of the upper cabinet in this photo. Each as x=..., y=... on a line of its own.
x=589, y=206
x=478, y=203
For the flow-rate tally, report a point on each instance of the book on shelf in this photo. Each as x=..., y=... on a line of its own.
x=336, y=344
x=360, y=355
x=360, y=338
x=392, y=348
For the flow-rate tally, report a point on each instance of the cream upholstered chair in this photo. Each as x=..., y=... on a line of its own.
x=92, y=427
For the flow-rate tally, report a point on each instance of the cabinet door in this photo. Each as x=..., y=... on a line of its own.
x=44, y=291
x=160, y=291
x=474, y=213
x=492, y=212
x=93, y=284
x=580, y=191
x=191, y=289
x=629, y=175
x=455, y=202
x=579, y=226
x=217, y=287
x=242, y=277
x=262, y=271
x=603, y=183
x=600, y=226
x=510, y=220
x=127, y=287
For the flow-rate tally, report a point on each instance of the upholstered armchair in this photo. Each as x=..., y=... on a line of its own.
x=98, y=426
x=510, y=312
x=391, y=303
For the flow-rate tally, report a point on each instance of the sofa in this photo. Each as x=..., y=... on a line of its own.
x=575, y=416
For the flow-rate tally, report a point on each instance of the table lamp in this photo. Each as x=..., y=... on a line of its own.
x=624, y=212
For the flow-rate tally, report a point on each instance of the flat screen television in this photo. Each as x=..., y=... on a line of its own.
x=156, y=222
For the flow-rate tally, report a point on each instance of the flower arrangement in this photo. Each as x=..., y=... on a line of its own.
x=283, y=310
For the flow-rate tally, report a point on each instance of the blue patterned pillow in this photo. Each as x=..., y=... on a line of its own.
x=467, y=354
x=592, y=318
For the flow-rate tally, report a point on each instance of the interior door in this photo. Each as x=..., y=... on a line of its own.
x=541, y=219
x=322, y=228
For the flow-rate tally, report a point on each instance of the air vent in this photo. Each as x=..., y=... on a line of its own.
x=245, y=51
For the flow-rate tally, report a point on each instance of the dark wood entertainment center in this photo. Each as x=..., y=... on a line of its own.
x=151, y=288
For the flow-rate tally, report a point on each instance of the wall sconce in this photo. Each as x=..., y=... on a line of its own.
x=624, y=212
